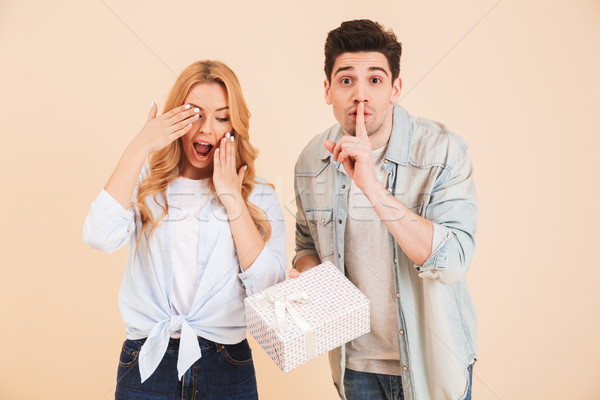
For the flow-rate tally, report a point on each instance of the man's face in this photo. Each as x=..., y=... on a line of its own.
x=362, y=77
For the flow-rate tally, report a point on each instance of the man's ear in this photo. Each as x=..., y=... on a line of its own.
x=396, y=89
x=327, y=92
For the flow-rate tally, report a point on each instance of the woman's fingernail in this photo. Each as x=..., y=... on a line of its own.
x=196, y=110
x=152, y=104
x=232, y=138
x=227, y=134
x=245, y=167
x=187, y=106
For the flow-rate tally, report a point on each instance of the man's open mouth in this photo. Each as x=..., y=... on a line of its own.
x=202, y=150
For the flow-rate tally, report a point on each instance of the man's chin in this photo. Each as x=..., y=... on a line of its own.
x=349, y=127
x=351, y=130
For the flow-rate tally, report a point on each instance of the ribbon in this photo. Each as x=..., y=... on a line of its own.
x=281, y=303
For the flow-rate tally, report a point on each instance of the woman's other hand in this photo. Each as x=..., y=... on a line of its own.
x=228, y=180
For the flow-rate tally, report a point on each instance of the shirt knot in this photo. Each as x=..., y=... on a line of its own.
x=176, y=323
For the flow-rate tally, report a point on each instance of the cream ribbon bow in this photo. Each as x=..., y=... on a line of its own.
x=281, y=303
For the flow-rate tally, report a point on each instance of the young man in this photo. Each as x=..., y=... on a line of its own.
x=389, y=198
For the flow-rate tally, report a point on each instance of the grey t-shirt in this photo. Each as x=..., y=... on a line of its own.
x=369, y=262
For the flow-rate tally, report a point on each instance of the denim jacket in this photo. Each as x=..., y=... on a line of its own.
x=430, y=171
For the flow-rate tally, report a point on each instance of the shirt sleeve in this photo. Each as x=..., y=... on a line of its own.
x=108, y=226
x=453, y=210
x=269, y=267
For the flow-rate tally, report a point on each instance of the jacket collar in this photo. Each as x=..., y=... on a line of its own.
x=334, y=134
x=398, y=146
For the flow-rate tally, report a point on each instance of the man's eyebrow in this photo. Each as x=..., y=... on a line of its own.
x=351, y=68
x=342, y=69
x=218, y=109
x=378, y=69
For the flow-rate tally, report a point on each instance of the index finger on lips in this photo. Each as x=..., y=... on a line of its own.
x=361, y=129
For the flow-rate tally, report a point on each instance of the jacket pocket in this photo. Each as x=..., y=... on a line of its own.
x=321, y=229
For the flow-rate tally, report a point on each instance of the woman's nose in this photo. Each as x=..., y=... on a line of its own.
x=205, y=125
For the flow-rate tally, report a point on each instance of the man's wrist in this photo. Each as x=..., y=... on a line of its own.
x=306, y=262
x=374, y=190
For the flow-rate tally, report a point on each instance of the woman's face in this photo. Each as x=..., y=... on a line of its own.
x=200, y=142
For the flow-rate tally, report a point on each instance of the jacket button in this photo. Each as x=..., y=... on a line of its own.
x=340, y=221
x=402, y=331
x=322, y=220
x=385, y=161
x=398, y=295
x=395, y=261
x=343, y=186
x=405, y=368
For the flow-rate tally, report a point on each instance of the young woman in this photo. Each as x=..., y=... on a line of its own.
x=203, y=233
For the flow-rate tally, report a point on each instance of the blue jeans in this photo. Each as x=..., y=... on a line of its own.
x=366, y=385
x=223, y=372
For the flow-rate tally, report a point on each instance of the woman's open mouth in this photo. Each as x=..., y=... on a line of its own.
x=202, y=150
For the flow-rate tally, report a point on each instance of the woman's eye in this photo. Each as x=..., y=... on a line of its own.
x=223, y=119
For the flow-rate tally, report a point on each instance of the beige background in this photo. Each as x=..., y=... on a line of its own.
x=517, y=79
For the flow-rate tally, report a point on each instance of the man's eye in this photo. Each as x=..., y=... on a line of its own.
x=376, y=80
x=346, y=81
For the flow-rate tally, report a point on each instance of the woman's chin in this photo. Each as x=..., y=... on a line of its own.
x=199, y=167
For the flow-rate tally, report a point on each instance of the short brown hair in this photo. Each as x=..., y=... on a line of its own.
x=362, y=35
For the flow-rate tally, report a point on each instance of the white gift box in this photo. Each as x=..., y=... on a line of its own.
x=300, y=319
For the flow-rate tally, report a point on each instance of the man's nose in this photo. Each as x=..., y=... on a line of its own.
x=360, y=93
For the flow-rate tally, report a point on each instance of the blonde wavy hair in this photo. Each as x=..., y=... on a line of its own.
x=167, y=164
